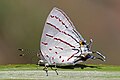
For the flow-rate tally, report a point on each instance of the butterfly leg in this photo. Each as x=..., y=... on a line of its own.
x=46, y=69
x=55, y=69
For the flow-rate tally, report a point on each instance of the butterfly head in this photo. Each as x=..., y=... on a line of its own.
x=85, y=49
x=87, y=53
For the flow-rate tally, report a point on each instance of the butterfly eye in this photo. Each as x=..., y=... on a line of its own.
x=85, y=50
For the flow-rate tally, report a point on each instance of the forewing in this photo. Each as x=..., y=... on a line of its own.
x=59, y=38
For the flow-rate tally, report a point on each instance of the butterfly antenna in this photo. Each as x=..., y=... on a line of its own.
x=102, y=57
x=100, y=54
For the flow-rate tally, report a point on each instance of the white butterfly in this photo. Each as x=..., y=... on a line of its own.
x=61, y=44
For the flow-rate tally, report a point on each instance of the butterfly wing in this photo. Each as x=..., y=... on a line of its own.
x=60, y=39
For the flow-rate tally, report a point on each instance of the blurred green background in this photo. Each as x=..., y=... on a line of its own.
x=22, y=22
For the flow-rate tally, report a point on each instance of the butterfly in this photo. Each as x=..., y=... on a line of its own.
x=61, y=44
